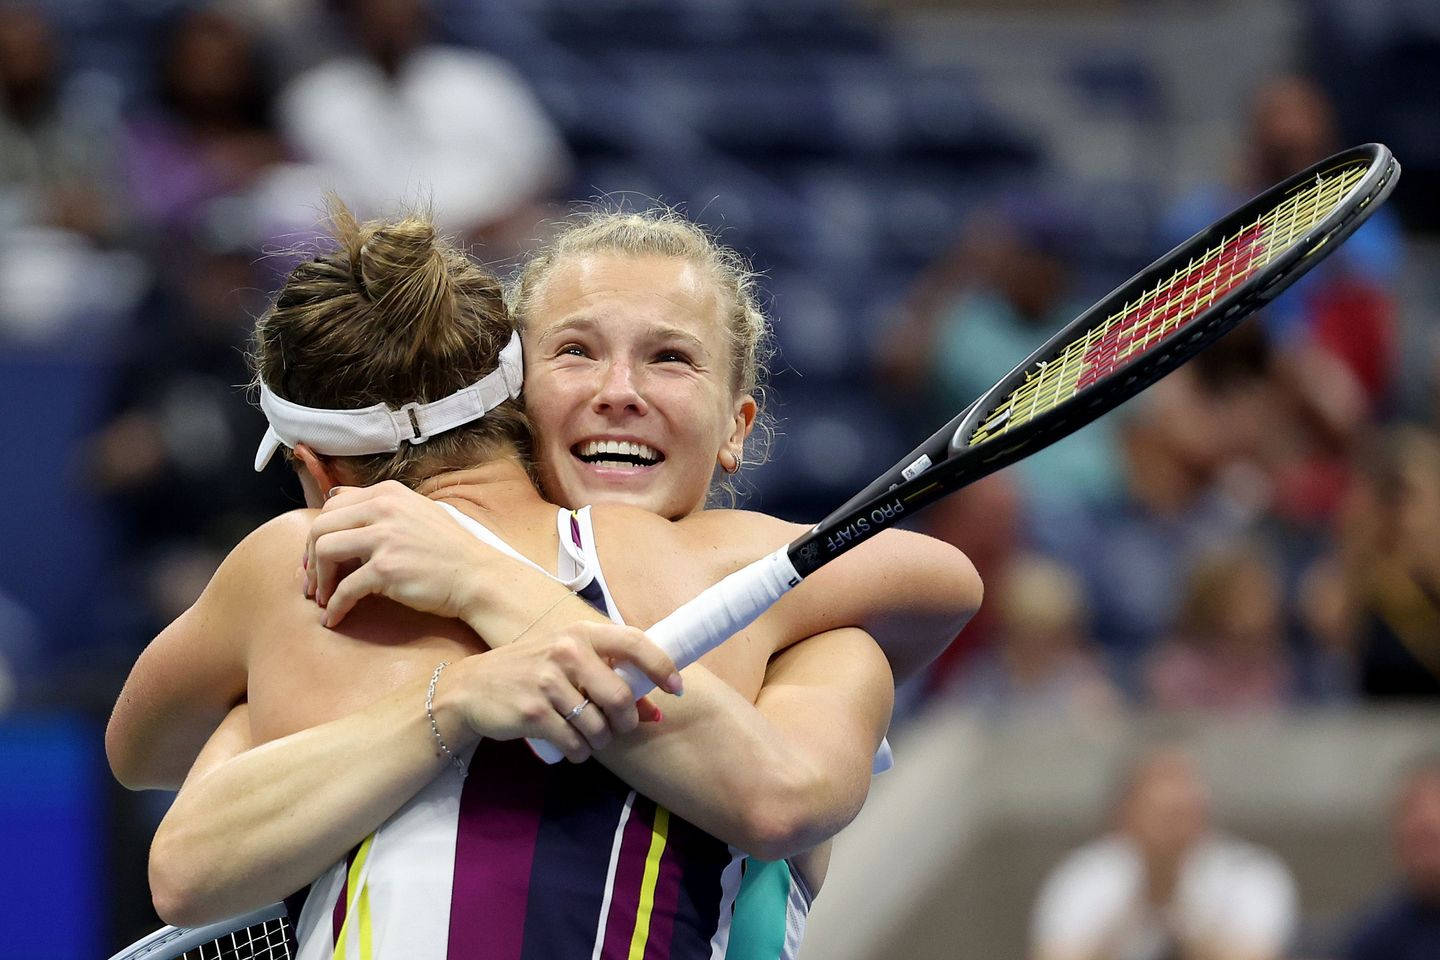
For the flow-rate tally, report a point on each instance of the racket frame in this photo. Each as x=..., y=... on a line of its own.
x=912, y=483
x=169, y=943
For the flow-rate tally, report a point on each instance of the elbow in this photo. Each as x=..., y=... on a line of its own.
x=971, y=592
x=964, y=587
x=176, y=890
x=121, y=760
x=140, y=764
x=794, y=817
x=775, y=838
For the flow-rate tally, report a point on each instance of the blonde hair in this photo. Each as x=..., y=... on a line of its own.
x=392, y=314
x=663, y=232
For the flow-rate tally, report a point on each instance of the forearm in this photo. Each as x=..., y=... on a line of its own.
x=250, y=828
x=719, y=762
x=913, y=594
x=716, y=759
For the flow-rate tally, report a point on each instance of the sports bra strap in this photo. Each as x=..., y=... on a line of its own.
x=487, y=536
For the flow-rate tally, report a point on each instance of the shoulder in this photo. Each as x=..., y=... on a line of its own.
x=457, y=65
x=1103, y=858
x=1248, y=885
x=284, y=535
x=716, y=541
x=330, y=77
x=738, y=524
x=649, y=565
x=268, y=557
x=1082, y=892
x=1231, y=860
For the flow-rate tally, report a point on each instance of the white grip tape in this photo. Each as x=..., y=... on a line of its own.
x=705, y=622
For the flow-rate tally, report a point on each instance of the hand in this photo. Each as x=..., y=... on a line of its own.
x=391, y=541
x=530, y=688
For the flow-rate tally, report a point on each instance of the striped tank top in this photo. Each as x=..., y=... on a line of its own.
x=513, y=859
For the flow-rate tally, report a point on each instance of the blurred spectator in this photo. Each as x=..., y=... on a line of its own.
x=1227, y=650
x=984, y=520
x=1334, y=332
x=58, y=191
x=1134, y=551
x=402, y=116
x=1380, y=596
x=56, y=165
x=1165, y=885
x=210, y=131
x=175, y=460
x=1406, y=926
x=1041, y=666
x=999, y=293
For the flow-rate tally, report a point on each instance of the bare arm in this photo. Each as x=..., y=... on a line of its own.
x=764, y=775
x=912, y=593
x=253, y=823
x=186, y=680
x=772, y=778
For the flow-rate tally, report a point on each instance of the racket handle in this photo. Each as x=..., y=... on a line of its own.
x=705, y=622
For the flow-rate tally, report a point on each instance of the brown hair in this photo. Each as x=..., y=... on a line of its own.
x=392, y=314
x=663, y=232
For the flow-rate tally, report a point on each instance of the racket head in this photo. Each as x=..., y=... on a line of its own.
x=1179, y=304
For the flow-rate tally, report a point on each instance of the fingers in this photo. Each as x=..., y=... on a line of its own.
x=615, y=642
x=579, y=735
x=649, y=713
x=347, y=516
x=610, y=695
x=585, y=659
x=591, y=724
x=568, y=738
x=612, y=706
x=351, y=507
x=587, y=654
x=361, y=583
x=333, y=552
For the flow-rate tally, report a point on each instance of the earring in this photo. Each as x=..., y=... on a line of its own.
x=733, y=467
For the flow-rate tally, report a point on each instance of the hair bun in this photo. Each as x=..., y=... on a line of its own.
x=397, y=257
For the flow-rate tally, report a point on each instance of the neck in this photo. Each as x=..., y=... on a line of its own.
x=495, y=485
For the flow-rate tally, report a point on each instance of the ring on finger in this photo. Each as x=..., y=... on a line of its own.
x=579, y=709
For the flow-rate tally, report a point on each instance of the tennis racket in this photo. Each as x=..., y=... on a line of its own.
x=263, y=934
x=1151, y=324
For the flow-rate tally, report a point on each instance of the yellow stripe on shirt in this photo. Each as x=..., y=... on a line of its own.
x=351, y=882
x=647, y=884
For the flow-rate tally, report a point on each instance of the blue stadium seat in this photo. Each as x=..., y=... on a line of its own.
x=832, y=439
x=56, y=536
x=1118, y=82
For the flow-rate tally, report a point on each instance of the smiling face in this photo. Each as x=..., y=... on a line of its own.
x=629, y=383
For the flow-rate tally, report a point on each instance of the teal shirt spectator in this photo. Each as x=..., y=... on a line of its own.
x=980, y=337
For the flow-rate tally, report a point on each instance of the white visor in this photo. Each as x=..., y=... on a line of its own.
x=379, y=428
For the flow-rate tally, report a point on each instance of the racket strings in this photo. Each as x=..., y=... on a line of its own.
x=262, y=941
x=1162, y=310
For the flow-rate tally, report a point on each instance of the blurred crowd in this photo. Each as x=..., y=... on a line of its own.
x=1167, y=882
x=1259, y=532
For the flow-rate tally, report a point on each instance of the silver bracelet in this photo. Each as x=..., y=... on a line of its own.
x=430, y=712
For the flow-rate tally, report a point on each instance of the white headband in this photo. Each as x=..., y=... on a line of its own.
x=380, y=429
